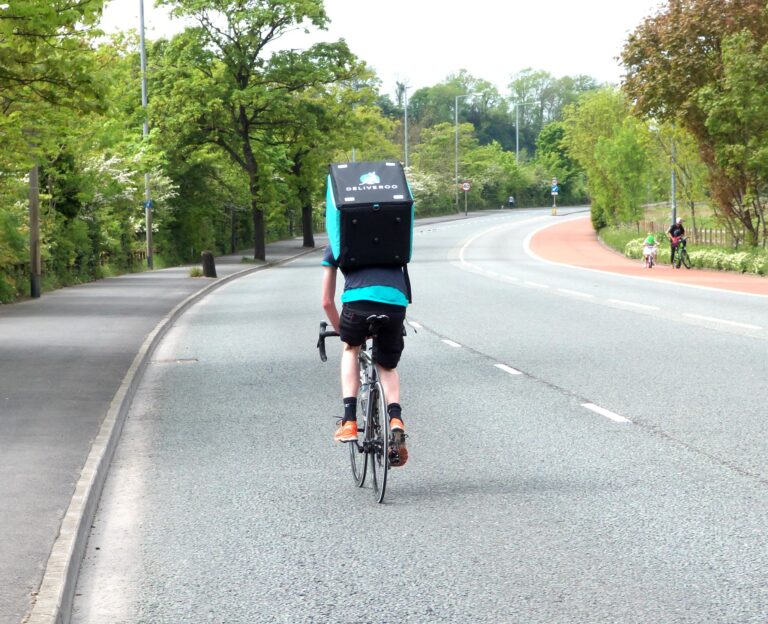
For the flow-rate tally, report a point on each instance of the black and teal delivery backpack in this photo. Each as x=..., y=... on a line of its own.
x=369, y=215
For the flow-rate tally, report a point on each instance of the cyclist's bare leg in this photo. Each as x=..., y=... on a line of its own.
x=390, y=380
x=350, y=375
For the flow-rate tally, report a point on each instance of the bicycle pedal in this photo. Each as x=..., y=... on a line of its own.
x=398, y=437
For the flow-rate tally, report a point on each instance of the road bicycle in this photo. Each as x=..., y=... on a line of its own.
x=376, y=451
x=682, y=256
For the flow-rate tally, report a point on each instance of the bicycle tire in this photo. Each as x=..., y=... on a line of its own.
x=685, y=258
x=358, y=458
x=379, y=449
x=676, y=262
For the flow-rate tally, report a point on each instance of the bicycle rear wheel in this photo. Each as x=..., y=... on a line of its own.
x=685, y=258
x=379, y=456
x=358, y=458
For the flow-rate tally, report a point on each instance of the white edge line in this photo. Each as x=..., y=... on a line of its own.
x=604, y=412
x=723, y=321
x=535, y=284
x=633, y=304
x=451, y=343
x=508, y=369
x=414, y=324
x=529, y=251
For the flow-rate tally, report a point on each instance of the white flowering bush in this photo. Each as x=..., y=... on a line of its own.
x=758, y=264
x=634, y=249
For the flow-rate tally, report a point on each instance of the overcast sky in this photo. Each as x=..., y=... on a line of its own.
x=421, y=42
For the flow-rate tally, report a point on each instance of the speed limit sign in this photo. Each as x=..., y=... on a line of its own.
x=465, y=186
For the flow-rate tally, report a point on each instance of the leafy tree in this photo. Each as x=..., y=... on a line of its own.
x=599, y=137
x=737, y=121
x=677, y=149
x=436, y=155
x=46, y=71
x=699, y=63
x=235, y=93
x=542, y=99
x=45, y=66
x=494, y=174
x=553, y=157
x=623, y=163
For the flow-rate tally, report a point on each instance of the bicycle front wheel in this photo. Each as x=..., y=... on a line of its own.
x=379, y=457
x=685, y=259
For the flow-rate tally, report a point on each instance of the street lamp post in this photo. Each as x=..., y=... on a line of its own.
x=147, y=197
x=674, y=183
x=456, y=152
x=517, y=106
x=405, y=125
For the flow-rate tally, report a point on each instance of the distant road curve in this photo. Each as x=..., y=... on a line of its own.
x=574, y=243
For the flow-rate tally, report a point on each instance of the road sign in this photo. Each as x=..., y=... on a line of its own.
x=465, y=186
x=148, y=204
x=555, y=189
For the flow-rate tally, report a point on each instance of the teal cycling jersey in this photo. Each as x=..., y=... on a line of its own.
x=380, y=284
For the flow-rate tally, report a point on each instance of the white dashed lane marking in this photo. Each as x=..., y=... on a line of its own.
x=604, y=412
x=575, y=293
x=451, y=343
x=642, y=306
x=508, y=369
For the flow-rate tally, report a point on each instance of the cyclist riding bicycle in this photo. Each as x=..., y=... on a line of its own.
x=367, y=291
x=675, y=233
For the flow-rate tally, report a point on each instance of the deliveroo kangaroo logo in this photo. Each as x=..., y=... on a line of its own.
x=370, y=178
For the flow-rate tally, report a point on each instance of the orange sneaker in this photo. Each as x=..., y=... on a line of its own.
x=347, y=432
x=398, y=453
x=395, y=424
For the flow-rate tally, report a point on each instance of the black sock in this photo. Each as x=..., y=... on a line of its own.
x=394, y=411
x=350, y=409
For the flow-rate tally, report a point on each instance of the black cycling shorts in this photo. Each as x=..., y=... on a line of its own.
x=354, y=329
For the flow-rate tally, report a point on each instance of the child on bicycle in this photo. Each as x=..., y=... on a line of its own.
x=649, y=248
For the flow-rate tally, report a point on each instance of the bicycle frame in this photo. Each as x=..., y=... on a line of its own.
x=369, y=378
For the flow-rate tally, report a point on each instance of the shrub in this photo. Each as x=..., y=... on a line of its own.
x=634, y=248
x=758, y=264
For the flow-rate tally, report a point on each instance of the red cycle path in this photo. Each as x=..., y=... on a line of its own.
x=574, y=242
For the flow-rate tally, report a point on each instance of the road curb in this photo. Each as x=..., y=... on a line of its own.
x=53, y=602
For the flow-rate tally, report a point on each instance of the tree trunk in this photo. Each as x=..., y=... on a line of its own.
x=259, y=246
x=35, y=263
x=307, y=225
x=305, y=200
x=259, y=236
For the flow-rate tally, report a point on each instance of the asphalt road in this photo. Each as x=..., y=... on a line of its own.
x=228, y=502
